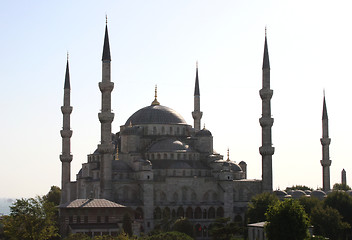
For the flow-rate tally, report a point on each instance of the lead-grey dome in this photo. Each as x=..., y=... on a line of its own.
x=169, y=145
x=155, y=114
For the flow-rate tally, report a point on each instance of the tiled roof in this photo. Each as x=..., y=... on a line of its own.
x=91, y=203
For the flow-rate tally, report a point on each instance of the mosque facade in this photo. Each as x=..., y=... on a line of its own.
x=162, y=167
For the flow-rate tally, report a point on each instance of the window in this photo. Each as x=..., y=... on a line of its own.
x=98, y=219
x=85, y=219
x=78, y=219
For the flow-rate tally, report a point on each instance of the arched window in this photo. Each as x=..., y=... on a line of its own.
x=158, y=156
x=165, y=156
x=163, y=130
x=178, y=130
x=180, y=212
x=220, y=212
x=154, y=130
x=189, y=213
x=173, y=214
x=171, y=132
x=157, y=213
x=197, y=213
x=211, y=213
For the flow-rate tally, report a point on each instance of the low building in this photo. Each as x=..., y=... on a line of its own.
x=95, y=217
x=256, y=231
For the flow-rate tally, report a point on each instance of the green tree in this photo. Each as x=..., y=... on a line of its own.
x=286, y=220
x=54, y=195
x=127, y=224
x=183, y=225
x=221, y=229
x=168, y=236
x=258, y=206
x=31, y=218
x=342, y=202
x=309, y=203
x=298, y=187
x=78, y=236
x=328, y=222
x=341, y=186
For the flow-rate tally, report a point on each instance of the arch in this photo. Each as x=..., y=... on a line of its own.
x=198, y=230
x=220, y=212
x=158, y=156
x=189, y=213
x=139, y=213
x=163, y=130
x=211, y=213
x=154, y=130
x=178, y=130
x=171, y=130
x=197, y=213
x=166, y=213
x=157, y=213
x=165, y=156
x=180, y=212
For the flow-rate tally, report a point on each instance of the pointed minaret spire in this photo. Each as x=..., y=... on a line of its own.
x=106, y=147
x=67, y=76
x=325, y=142
x=106, y=48
x=197, y=114
x=66, y=134
x=266, y=64
x=266, y=122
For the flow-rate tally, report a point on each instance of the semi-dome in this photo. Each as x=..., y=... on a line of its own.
x=169, y=145
x=155, y=114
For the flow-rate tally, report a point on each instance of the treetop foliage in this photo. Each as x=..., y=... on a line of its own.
x=341, y=186
x=258, y=206
x=298, y=187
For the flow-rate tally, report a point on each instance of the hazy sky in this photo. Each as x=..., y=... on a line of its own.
x=158, y=42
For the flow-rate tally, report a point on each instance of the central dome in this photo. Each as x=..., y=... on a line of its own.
x=155, y=114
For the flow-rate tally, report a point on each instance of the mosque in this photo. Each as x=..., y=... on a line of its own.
x=160, y=166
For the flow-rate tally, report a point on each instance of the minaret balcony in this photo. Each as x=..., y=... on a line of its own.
x=106, y=148
x=66, y=133
x=106, y=86
x=266, y=122
x=325, y=163
x=325, y=141
x=266, y=150
x=266, y=94
x=66, y=109
x=106, y=117
x=66, y=158
x=197, y=114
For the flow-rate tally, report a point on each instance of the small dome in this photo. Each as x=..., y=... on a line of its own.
x=297, y=194
x=169, y=145
x=155, y=114
x=203, y=133
x=280, y=193
x=233, y=166
x=318, y=194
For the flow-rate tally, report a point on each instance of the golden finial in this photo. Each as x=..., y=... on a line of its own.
x=155, y=102
x=228, y=154
x=265, y=31
x=106, y=18
x=117, y=153
x=67, y=55
x=204, y=126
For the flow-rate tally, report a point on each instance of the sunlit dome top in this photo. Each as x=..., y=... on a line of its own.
x=155, y=114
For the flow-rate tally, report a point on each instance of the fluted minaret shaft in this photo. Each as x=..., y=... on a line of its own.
x=66, y=134
x=197, y=114
x=325, y=142
x=266, y=122
x=106, y=117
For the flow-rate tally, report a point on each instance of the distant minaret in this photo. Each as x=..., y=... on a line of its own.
x=325, y=142
x=106, y=147
x=197, y=114
x=66, y=134
x=343, y=177
x=266, y=122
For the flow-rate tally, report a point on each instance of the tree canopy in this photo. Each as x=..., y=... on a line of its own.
x=342, y=202
x=258, y=206
x=286, y=220
x=298, y=187
x=341, y=186
x=183, y=225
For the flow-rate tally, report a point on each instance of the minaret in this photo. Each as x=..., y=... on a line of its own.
x=106, y=147
x=343, y=177
x=197, y=114
x=266, y=122
x=66, y=134
x=325, y=142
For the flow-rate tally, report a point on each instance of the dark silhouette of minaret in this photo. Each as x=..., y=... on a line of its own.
x=197, y=114
x=106, y=147
x=66, y=134
x=266, y=122
x=343, y=177
x=325, y=142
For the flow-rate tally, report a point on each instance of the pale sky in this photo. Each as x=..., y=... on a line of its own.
x=158, y=42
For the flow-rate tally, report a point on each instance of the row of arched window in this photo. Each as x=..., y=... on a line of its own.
x=168, y=130
x=197, y=213
x=172, y=156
